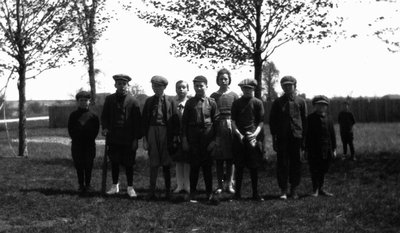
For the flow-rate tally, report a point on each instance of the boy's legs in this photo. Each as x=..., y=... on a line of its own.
x=220, y=175
x=239, y=178
x=344, y=143
x=90, y=155
x=294, y=166
x=167, y=180
x=229, y=176
x=207, y=174
x=254, y=184
x=153, y=181
x=186, y=177
x=283, y=167
x=194, y=177
x=179, y=177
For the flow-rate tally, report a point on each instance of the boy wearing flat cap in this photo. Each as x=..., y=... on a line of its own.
x=160, y=128
x=247, y=124
x=288, y=127
x=83, y=127
x=320, y=144
x=121, y=123
x=197, y=133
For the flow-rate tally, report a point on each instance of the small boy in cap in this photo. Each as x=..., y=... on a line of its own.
x=320, y=144
x=161, y=129
x=121, y=122
x=197, y=125
x=247, y=123
x=346, y=123
x=83, y=127
x=287, y=122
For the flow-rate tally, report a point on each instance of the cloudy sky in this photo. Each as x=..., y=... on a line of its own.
x=360, y=66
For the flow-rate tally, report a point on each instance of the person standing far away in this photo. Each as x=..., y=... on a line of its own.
x=320, y=144
x=180, y=157
x=247, y=123
x=197, y=125
x=121, y=124
x=83, y=127
x=288, y=127
x=346, y=123
x=223, y=153
x=161, y=129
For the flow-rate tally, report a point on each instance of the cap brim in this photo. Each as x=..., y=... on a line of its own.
x=249, y=86
x=288, y=82
x=321, y=102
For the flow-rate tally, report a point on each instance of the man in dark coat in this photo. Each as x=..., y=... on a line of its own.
x=83, y=127
x=346, y=123
x=320, y=144
x=121, y=123
x=288, y=126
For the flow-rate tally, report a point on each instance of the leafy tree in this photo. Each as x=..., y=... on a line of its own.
x=90, y=21
x=32, y=35
x=136, y=89
x=239, y=31
x=270, y=78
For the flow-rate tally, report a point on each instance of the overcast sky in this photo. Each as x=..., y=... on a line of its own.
x=360, y=66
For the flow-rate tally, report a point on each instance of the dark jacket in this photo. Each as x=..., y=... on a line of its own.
x=132, y=119
x=192, y=117
x=288, y=117
x=320, y=137
x=83, y=127
x=346, y=121
x=170, y=115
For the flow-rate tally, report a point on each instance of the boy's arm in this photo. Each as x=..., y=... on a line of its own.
x=105, y=116
x=236, y=130
x=72, y=125
x=333, y=135
x=185, y=118
x=303, y=112
x=96, y=126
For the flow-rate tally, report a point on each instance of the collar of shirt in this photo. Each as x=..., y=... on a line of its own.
x=202, y=98
x=290, y=96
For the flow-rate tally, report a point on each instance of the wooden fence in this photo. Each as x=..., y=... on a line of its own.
x=364, y=110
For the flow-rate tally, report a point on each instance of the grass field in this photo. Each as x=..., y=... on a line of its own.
x=38, y=194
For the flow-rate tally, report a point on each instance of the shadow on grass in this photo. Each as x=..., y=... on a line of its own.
x=384, y=163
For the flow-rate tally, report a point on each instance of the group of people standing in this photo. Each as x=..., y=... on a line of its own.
x=194, y=132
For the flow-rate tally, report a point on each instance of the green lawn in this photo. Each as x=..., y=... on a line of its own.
x=38, y=194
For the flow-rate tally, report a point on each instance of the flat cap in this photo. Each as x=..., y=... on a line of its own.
x=82, y=94
x=248, y=82
x=200, y=78
x=320, y=99
x=159, y=80
x=122, y=77
x=288, y=80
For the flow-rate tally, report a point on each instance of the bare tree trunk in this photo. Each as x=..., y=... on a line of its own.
x=258, y=74
x=22, y=146
x=257, y=52
x=92, y=80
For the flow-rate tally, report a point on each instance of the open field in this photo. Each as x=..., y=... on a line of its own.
x=38, y=193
